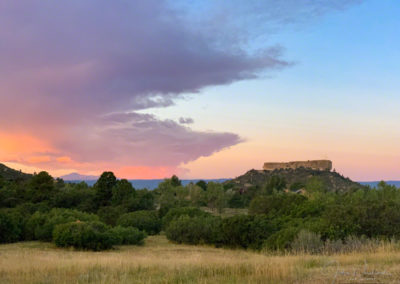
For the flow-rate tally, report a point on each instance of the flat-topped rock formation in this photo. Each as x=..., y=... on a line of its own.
x=297, y=178
x=320, y=165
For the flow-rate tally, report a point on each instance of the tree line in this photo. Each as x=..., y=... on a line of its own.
x=112, y=212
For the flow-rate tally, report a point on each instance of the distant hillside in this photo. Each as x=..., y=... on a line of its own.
x=11, y=174
x=375, y=183
x=149, y=183
x=78, y=177
x=332, y=180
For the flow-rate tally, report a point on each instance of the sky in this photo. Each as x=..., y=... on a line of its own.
x=201, y=89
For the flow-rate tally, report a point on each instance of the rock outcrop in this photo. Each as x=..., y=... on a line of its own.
x=319, y=165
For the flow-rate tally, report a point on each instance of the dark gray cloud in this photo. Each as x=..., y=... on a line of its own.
x=186, y=120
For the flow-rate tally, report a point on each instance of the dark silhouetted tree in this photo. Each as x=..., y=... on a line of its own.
x=103, y=188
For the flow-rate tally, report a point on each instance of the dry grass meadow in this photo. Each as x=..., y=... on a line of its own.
x=160, y=261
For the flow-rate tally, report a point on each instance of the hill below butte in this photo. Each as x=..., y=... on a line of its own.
x=296, y=175
x=11, y=174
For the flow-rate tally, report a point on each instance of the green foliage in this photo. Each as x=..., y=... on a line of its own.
x=127, y=235
x=246, y=231
x=216, y=198
x=282, y=239
x=277, y=203
x=78, y=196
x=239, y=200
x=103, y=188
x=40, y=225
x=10, y=227
x=195, y=230
x=144, y=200
x=110, y=214
x=31, y=208
x=147, y=221
x=196, y=195
x=175, y=213
x=169, y=183
x=123, y=193
x=94, y=236
x=202, y=184
x=296, y=186
x=315, y=184
x=175, y=181
x=275, y=183
x=41, y=187
x=9, y=196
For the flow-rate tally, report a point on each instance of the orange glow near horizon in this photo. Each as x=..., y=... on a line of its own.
x=22, y=151
x=18, y=143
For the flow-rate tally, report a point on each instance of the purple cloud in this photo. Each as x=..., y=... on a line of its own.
x=74, y=72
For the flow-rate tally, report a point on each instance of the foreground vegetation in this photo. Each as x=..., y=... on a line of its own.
x=203, y=232
x=275, y=217
x=160, y=261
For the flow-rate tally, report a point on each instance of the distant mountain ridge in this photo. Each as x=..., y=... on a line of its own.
x=151, y=183
x=375, y=183
x=77, y=176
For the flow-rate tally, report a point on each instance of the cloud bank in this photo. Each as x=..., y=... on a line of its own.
x=74, y=74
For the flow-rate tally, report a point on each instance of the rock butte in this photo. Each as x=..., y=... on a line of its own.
x=321, y=165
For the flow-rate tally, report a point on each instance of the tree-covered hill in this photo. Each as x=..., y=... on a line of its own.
x=294, y=179
x=11, y=174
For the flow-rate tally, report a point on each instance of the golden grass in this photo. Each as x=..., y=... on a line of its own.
x=160, y=261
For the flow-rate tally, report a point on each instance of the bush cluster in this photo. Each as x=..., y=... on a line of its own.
x=195, y=230
x=175, y=213
x=127, y=235
x=95, y=235
x=237, y=231
x=40, y=225
x=84, y=235
x=10, y=227
x=147, y=221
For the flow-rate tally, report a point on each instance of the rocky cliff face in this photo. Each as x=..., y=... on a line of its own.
x=321, y=165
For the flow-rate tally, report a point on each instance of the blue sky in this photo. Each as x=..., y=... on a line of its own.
x=343, y=86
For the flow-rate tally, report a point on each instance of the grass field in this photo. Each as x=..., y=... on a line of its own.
x=160, y=261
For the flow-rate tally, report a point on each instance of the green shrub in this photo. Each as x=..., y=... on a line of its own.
x=128, y=235
x=175, y=213
x=147, y=221
x=84, y=235
x=40, y=225
x=276, y=203
x=282, y=239
x=239, y=200
x=236, y=231
x=10, y=227
x=195, y=230
x=246, y=231
x=110, y=214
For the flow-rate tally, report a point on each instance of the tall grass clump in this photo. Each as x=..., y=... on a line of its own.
x=307, y=242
